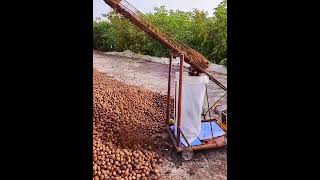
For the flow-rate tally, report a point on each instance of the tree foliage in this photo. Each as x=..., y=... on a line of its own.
x=207, y=34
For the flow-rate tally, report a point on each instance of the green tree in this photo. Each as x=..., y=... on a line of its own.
x=218, y=33
x=208, y=35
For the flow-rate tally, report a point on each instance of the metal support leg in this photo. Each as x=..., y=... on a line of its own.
x=180, y=98
x=169, y=87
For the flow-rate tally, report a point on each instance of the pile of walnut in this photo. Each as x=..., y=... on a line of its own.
x=124, y=119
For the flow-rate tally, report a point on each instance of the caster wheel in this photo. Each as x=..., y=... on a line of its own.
x=187, y=154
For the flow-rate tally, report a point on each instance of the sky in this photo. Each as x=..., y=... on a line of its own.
x=145, y=6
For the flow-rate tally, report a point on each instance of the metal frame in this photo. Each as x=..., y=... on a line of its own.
x=217, y=142
x=197, y=61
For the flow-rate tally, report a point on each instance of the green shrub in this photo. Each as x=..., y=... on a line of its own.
x=207, y=34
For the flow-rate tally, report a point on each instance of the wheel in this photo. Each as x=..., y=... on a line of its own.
x=187, y=154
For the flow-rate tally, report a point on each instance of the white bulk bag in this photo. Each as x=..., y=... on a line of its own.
x=193, y=93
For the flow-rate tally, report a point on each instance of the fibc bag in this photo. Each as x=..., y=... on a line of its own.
x=193, y=93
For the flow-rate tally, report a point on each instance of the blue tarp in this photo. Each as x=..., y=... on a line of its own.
x=205, y=133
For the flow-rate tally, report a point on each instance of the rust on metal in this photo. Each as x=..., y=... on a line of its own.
x=173, y=139
x=169, y=86
x=116, y=1
x=219, y=142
